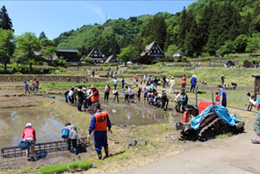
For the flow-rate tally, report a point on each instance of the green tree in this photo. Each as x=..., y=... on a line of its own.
x=49, y=52
x=172, y=49
x=42, y=36
x=5, y=21
x=155, y=30
x=241, y=43
x=7, y=46
x=228, y=47
x=89, y=60
x=47, y=43
x=253, y=43
x=127, y=53
x=27, y=47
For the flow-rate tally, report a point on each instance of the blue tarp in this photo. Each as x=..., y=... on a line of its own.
x=221, y=111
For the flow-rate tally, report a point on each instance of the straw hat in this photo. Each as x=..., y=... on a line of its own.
x=172, y=77
x=92, y=87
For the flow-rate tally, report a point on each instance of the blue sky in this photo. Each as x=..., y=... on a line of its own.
x=55, y=17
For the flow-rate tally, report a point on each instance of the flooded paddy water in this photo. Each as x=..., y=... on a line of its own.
x=13, y=121
x=140, y=113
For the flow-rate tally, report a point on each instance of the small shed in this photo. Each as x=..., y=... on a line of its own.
x=177, y=56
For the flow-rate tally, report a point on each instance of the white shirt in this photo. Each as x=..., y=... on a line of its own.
x=129, y=91
x=115, y=81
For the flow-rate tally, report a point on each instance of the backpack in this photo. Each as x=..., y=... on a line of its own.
x=65, y=133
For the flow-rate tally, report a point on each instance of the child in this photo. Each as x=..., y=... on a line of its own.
x=217, y=96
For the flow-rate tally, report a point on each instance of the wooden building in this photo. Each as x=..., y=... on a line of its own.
x=152, y=52
x=111, y=59
x=96, y=55
x=70, y=55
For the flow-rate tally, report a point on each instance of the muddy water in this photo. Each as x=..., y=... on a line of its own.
x=138, y=114
x=13, y=121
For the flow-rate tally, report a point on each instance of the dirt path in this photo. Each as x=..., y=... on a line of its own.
x=230, y=155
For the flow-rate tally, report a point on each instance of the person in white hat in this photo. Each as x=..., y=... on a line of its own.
x=30, y=135
x=172, y=85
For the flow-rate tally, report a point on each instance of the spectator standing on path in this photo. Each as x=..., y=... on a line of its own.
x=112, y=76
x=155, y=82
x=93, y=73
x=222, y=79
x=29, y=134
x=115, y=83
x=26, y=88
x=257, y=121
x=107, y=90
x=99, y=124
x=172, y=85
x=183, y=82
x=193, y=82
x=37, y=84
x=222, y=96
x=123, y=83
x=72, y=138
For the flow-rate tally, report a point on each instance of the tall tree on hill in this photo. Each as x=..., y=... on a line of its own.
x=27, y=47
x=204, y=24
x=255, y=23
x=7, y=46
x=5, y=21
x=42, y=36
x=183, y=27
x=155, y=30
x=211, y=46
x=191, y=43
x=245, y=24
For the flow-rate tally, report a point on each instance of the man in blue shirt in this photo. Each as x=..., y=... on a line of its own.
x=222, y=96
x=193, y=82
x=99, y=124
x=26, y=87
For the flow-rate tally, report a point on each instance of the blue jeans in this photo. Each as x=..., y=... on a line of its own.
x=100, y=139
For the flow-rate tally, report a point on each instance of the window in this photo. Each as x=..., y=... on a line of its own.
x=151, y=51
x=156, y=48
x=95, y=51
x=95, y=55
x=158, y=51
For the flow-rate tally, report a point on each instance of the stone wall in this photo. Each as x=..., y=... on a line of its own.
x=59, y=78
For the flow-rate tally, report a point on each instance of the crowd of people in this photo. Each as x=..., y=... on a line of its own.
x=33, y=87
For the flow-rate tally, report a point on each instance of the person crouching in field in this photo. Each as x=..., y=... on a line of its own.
x=30, y=135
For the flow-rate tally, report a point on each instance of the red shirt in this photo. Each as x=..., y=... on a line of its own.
x=29, y=132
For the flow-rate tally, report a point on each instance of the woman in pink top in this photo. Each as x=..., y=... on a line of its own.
x=30, y=135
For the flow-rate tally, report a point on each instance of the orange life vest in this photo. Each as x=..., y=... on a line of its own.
x=95, y=98
x=183, y=80
x=101, y=121
x=258, y=107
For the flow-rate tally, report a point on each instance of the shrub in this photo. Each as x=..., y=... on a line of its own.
x=84, y=165
x=59, y=168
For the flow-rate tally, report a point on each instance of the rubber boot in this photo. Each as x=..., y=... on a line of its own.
x=99, y=155
x=106, y=151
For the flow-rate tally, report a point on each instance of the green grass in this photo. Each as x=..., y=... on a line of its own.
x=68, y=85
x=84, y=165
x=59, y=168
x=222, y=136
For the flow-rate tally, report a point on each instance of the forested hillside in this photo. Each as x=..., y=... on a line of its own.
x=206, y=27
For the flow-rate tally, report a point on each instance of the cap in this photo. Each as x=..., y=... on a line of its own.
x=220, y=86
x=29, y=124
